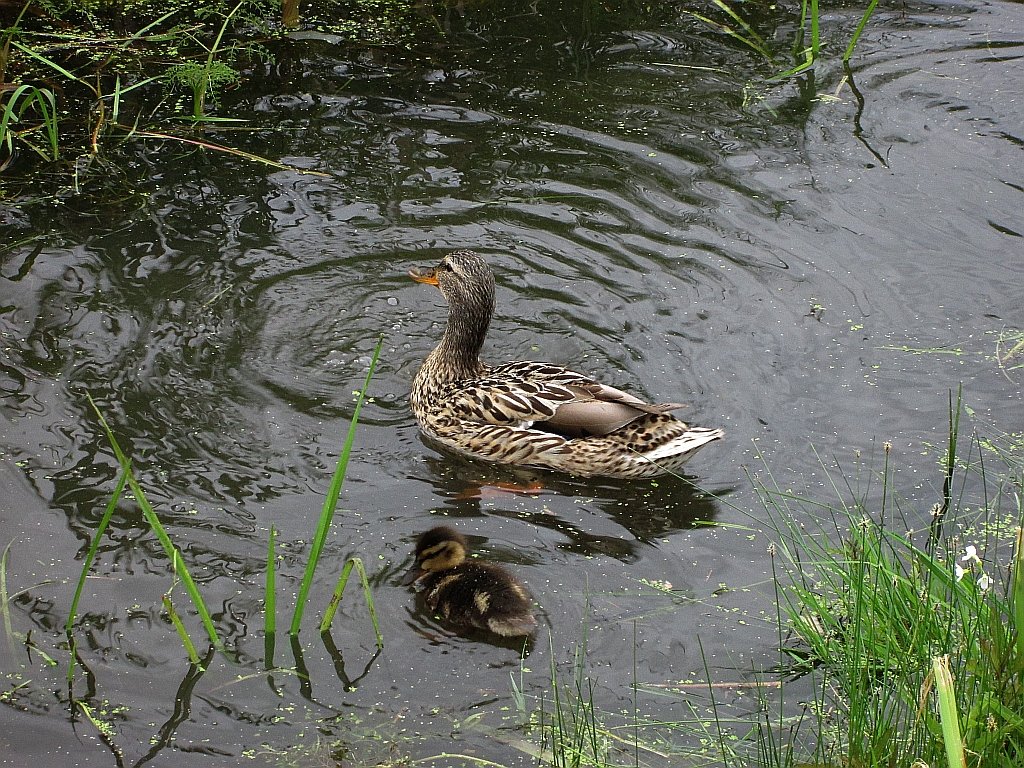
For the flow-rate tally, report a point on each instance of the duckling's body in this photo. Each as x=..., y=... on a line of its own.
x=533, y=413
x=469, y=593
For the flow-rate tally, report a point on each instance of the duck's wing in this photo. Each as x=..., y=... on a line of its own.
x=550, y=398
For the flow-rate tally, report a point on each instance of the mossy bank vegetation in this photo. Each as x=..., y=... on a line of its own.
x=79, y=77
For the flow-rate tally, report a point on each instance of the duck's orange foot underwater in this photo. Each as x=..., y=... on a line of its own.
x=499, y=490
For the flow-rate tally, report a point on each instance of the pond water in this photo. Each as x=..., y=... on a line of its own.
x=812, y=267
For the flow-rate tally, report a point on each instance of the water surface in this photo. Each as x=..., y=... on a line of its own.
x=813, y=271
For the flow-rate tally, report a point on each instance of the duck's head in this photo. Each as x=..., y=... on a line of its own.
x=438, y=549
x=464, y=279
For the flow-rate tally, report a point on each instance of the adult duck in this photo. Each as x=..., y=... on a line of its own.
x=532, y=413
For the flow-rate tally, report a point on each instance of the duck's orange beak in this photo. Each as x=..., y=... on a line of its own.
x=426, y=275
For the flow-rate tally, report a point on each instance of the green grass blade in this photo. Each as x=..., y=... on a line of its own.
x=122, y=89
x=753, y=43
x=270, y=602
x=339, y=590
x=947, y=713
x=51, y=64
x=1017, y=594
x=90, y=556
x=31, y=646
x=153, y=24
x=190, y=647
x=212, y=119
x=8, y=116
x=751, y=34
x=5, y=610
x=49, y=114
x=222, y=148
x=269, y=590
x=21, y=99
x=803, y=66
x=115, y=108
x=220, y=34
x=331, y=500
x=367, y=595
x=105, y=731
x=815, y=31
x=869, y=11
x=158, y=529
x=954, y=430
x=471, y=759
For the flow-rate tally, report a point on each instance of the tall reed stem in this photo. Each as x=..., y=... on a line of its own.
x=331, y=500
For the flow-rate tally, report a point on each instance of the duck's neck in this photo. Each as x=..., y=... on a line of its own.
x=457, y=356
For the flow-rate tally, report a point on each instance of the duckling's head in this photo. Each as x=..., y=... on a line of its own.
x=464, y=279
x=438, y=549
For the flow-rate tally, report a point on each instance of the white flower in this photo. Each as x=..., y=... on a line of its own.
x=970, y=557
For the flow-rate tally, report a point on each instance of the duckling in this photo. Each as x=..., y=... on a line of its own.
x=469, y=593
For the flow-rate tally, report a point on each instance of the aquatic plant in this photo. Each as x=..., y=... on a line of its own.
x=327, y=511
x=179, y=568
x=205, y=79
x=339, y=591
x=806, y=46
x=99, y=53
x=564, y=717
x=25, y=100
x=127, y=479
x=884, y=615
x=270, y=600
x=913, y=640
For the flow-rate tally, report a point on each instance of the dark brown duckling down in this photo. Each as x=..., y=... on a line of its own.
x=467, y=593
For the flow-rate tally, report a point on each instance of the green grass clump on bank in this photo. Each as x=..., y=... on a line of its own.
x=884, y=614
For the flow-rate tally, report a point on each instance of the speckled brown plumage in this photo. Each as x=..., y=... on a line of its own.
x=532, y=413
x=469, y=593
